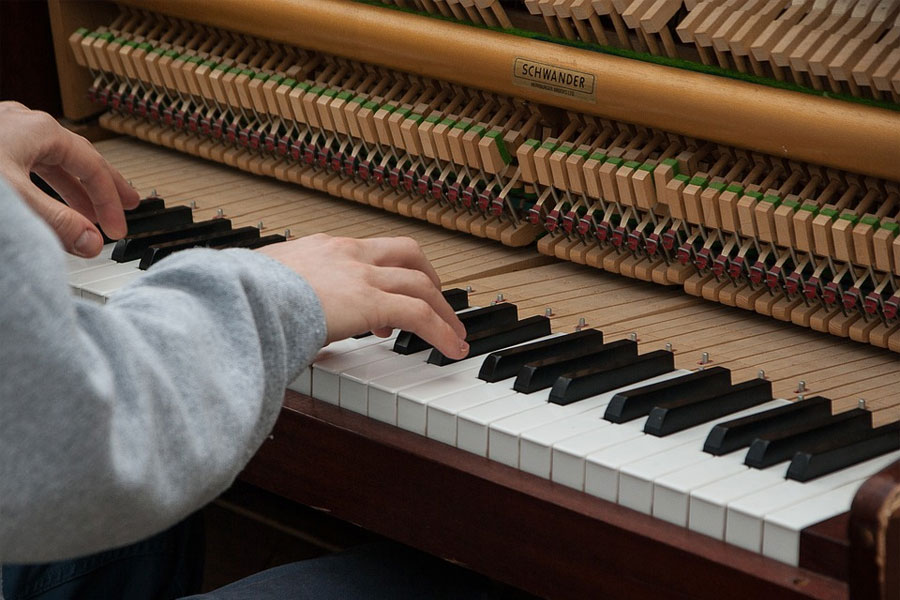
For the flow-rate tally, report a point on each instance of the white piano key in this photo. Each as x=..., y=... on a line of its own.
x=441, y=422
x=385, y=390
x=100, y=291
x=412, y=402
x=745, y=516
x=354, y=384
x=326, y=373
x=672, y=491
x=535, y=443
x=473, y=423
x=305, y=380
x=79, y=263
x=568, y=456
x=111, y=269
x=782, y=528
x=707, y=509
x=602, y=468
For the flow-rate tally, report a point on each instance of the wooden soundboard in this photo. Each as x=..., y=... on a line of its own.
x=502, y=522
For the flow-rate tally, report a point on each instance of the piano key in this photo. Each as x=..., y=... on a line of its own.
x=303, y=382
x=326, y=373
x=536, y=443
x=472, y=425
x=457, y=298
x=730, y=435
x=745, y=516
x=781, y=445
x=443, y=412
x=581, y=384
x=708, y=503
x=687, y=412
x=412, y=402
x=108, y=270
x=148, y=204
x=542, y=374
x=843, y=451
x=77, y=263
x=133, y=247
x=506, y=363
x=480, y=319
x=255, y=243
x=100, y=291
x=568, y=456
x=221, y=239
x=637, y=402
x=158, y=220
x=603, y=468
x=782, y=528
x=499, y=337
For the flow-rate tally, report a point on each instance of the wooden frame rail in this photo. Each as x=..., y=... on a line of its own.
x=544, y=538
x=844, y=135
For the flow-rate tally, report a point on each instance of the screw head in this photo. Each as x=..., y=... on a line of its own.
x=668, y=346
x=761, y=374
x=259, y=225
x=220, y=213
x=861, y=403
x=548, y=312
x=633, y=336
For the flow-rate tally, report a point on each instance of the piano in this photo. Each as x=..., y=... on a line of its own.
x=733, y=429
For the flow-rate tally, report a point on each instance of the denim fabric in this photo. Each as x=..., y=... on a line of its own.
x=166, y=566
x=383, y=571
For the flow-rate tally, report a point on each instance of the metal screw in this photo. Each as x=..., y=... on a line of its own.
x=861, y=403
x=799, y=397
x=801, y=386
x=581, y=324
x=761, y=374
x=287, y=234
x=632, y=336
x=548, y=312
x=468, y=289
x=193, y=204
x=704, y=358
x=499, y=298
x=220, y=213
x=153, y=193
x=259, y=225
x=668, y=346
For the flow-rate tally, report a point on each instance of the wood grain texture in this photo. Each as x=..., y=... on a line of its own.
x=875, y=537
x=519, y=529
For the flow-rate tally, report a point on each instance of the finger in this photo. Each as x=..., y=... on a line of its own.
x=384, y=332
x=409, y=282
x=417, y=316
x=75, y=155
x=399, y=252
x=70, y=189
x=127, y=194
x=77, y=234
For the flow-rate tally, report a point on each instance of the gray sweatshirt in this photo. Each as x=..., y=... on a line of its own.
x=116, y=421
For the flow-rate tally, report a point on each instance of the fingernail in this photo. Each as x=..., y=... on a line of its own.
x=86, y=242
x=463, y=348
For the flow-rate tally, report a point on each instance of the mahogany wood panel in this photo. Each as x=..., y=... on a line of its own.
x=825, y=547
x=875, y=537
x=520, y=529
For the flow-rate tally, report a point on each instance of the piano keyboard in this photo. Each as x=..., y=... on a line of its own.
x=674, y=442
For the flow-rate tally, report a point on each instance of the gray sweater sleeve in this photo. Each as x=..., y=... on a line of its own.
x=118, y=420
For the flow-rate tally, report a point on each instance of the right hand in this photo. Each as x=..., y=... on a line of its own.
x=376, y=285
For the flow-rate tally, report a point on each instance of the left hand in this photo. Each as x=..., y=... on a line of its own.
x=93, y=190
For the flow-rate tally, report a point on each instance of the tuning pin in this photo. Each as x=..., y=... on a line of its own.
x=469, y=289
x=220, y=213
x=193, y=204
x=259, y=225
x=861, y=403
x=668, y=346
x=760, y=374
x=801, y=387
x=287, y=234
x=548, y=312
x=704, y=360
x=633, y=336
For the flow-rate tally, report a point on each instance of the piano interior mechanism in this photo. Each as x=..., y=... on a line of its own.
x=671, y=226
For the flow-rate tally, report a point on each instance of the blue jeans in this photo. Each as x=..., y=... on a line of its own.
x=170, y=565
x=166, y=566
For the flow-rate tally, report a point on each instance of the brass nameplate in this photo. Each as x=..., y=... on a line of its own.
x=554, y=80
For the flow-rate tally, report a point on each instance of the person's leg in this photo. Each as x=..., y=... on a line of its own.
x=166, y=566
x=382, y=571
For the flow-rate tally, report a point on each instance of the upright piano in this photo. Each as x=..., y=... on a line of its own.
x=671, y=226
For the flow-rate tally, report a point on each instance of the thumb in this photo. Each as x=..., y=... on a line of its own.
x=78, y=235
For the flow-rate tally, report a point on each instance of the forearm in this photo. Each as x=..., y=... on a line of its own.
x=116, y=421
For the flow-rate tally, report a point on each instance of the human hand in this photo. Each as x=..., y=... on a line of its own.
x=93, y=190
x=375, y=285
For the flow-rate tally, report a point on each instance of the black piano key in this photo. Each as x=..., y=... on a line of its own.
x=158, y=220
x=541, y=374
x=678, y=415
x=503, y=336
x=157, y=252
x=506, y=363
x=773, y=448
x=573, y=387
x=133, y=247
x=479, y=319
x=631, y=404
x=844, y=451
x=457, y=298
x=729, y=436
x=150, y=203
x=253, y=244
